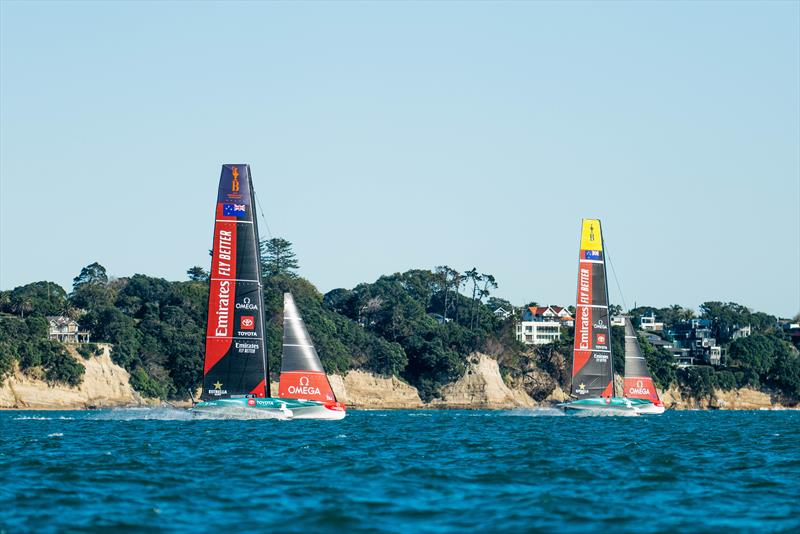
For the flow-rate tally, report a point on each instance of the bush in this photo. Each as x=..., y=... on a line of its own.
x=87, y=350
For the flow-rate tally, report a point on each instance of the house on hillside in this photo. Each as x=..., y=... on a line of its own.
x=648, y=322
x=695, y=337
x=542, y=324
x=65, y=330
x=502, y=313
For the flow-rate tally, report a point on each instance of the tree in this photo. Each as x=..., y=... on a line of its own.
x=473, y=276
x=42, y=298
x=91, y=274
x=278, y=258
x=198, y=274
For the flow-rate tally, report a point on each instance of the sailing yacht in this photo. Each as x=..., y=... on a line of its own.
x=593, y=385
x=235, y=370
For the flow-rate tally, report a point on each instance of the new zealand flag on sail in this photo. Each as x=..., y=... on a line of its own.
x=234, y=210
x=592, y=255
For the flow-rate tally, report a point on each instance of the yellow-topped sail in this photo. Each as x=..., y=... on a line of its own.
x=591, y=239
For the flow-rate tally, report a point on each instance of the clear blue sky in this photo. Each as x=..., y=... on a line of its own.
x=389, y=136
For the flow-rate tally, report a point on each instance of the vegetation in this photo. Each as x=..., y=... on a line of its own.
x=419, y=325
x=25, y=341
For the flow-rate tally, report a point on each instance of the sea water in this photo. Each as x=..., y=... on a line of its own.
x=165, y=470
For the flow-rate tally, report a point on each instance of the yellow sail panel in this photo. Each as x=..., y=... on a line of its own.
x=591, y=238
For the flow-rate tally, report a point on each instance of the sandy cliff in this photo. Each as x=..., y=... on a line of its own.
x=105, y=384
x=737, y=399
x=481, y=387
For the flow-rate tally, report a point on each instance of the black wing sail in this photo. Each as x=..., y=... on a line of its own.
x=592, y=372
x=235, y=350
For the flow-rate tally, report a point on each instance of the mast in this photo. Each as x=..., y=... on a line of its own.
x=592, y=367
x=234, y=350
x=262, y=322
x=608, y=312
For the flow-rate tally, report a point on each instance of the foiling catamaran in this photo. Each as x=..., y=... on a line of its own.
x=592, y=364
x=236, y=370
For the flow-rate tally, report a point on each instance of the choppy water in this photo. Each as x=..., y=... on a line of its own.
x=448, y=471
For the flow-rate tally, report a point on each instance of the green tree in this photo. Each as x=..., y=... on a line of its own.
x=40, y=298
x=278, y=258
x=90, y=288
x=198, y=274
x=93, y=273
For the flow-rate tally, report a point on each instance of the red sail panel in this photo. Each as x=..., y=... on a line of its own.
x=641, y=387
x=307, y=385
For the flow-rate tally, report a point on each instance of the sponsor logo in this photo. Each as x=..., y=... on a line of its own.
x=217, y=389
x=600, y=357
x=235, y=181
x=234, y=210
x=304, y=388
x=246, y=348
x=592, y=255
x=246, y=305
x=601, y=339
x=582, y=389
x=223, y=252
x=600, y=325
x=584, y=285
x=251, y=402
x=247, y=322
x=591, y=232
x=639, y=389
x=222, y=311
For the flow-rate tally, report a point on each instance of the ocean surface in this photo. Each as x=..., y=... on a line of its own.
x=165, y=470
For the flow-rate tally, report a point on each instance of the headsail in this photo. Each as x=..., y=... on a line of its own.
x=592, y=367
x=235, y=363
x=302, y=374
x=638, y=384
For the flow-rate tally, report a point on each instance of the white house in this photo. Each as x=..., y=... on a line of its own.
x=542, y=324
x=648, y=322
x=66, y=330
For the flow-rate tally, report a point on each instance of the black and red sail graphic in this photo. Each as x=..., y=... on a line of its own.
x=592, y=373
x=637, y=384
x=302, y=374
x=235, y=363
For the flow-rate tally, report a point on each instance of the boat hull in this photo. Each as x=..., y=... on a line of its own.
x=279, y=408
x=600, y=405
x=650, y=409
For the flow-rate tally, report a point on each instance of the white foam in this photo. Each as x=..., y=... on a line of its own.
x=535, y=412
x=177, y=414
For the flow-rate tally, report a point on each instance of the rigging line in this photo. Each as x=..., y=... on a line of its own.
x=614, y=272
x=263, y=217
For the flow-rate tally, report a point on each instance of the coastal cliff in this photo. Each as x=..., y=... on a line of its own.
x=105, y=385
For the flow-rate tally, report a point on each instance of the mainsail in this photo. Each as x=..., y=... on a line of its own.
x=302, y=374
x=235, y=359
x=638, y=384
x=592, y=366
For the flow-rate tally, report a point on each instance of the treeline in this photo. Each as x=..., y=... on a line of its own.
x=419, y=325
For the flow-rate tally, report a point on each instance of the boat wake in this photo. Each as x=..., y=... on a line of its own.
x=177, y=414
x=535, y=412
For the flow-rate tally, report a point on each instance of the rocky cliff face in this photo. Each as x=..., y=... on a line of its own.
x=482, y=387
x=105, y=384
x=737, y=399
